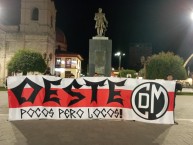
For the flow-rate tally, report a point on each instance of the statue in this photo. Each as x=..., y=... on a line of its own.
x=101, y=23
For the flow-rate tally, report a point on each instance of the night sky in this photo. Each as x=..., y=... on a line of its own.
x=164, y=23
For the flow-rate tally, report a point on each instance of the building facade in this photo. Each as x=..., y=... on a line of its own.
x=66, y=64
x=35, y=31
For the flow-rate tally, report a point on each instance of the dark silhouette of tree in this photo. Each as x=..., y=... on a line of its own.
x=159, y=66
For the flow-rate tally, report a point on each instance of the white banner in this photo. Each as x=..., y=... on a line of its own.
x=49, y=97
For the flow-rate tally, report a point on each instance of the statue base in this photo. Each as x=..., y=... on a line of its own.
x=100, y=53
x=100, y=38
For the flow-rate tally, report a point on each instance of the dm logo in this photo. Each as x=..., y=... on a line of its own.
x=150, y=100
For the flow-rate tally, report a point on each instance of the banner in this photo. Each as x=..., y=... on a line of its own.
x=49, y=97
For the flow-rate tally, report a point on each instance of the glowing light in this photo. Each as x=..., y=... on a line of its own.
x=191, y=16
x=63, y=62
x=118, y=54
x=60, y=70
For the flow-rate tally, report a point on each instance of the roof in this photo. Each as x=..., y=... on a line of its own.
x=68, y=54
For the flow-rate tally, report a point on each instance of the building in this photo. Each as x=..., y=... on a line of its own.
x=27, y=24
x=66, y=64
x=61, y=42
x=136, y=51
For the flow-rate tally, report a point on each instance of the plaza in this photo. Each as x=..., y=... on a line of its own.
x=97, y=132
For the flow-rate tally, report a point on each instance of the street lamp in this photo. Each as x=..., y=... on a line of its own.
x=119, y=54
x=191, y=56
x=191, y=16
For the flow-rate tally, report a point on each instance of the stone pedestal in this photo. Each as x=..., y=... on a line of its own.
x=100, y=52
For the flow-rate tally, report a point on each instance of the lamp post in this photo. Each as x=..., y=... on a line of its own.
x=191, y=56
x=119, y=54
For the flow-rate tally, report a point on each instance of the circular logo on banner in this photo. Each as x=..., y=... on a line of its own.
x=150, y=100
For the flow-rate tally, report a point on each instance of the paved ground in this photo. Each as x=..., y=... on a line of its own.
x=95, y=132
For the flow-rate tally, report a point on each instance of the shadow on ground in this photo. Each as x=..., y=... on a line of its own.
x=95, y=132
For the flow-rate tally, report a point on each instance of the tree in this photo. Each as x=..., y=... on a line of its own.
x=123, y=73
x=159, y=66
x=27, y=61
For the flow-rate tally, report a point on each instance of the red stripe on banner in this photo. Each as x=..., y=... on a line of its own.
x=65, y=98
x=171, y=101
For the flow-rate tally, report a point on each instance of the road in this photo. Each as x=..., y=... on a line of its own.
x=97, y=132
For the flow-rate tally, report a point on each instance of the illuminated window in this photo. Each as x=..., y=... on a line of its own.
x=67, y=62
x=58, y=62
x=73, y=63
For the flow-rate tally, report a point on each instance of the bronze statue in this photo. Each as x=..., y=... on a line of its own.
x=101, y=23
